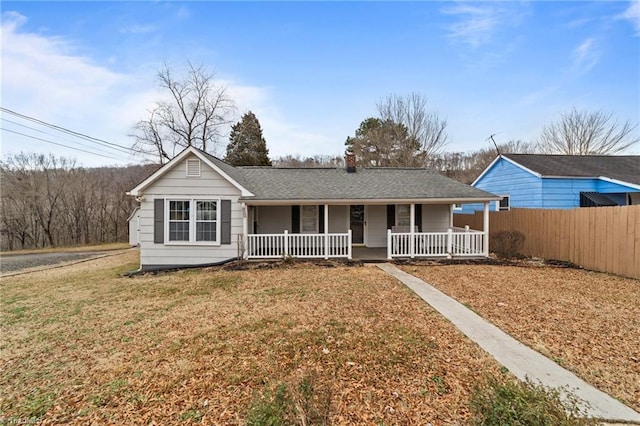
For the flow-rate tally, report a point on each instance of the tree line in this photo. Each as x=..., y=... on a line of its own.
x=50, y=201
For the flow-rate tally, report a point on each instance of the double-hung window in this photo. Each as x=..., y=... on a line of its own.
x=193, y=221
x=309, y=220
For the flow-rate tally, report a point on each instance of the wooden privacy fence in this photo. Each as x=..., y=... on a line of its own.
x=604, y=239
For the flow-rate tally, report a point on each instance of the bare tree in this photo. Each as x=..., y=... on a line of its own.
x=384, y=143
x=465, y=167
x=424, y=128
x=588, y=133
x=47, y=201
x=194, y=114
x=318, y=161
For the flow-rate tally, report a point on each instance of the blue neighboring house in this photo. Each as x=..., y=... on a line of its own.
x=560, y=181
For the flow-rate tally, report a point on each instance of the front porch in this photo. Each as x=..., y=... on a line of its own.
x=455, y=242
x=335, y=231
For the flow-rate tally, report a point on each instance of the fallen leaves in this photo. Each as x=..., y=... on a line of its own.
x=197, y=346
x=588, y=322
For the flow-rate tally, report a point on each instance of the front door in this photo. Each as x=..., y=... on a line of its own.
x=356, y=223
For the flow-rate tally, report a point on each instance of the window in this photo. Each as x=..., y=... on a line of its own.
x=403, y=215
x=201, y=227
x=309, y=219
x=504, y=203
x=178, y=220
x=206, y=220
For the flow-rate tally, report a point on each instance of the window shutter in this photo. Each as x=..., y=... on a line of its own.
x=418, y=213
x=295, y=219
x=225, y=222
x=391, y=216
x=321, y=219
x=158, y=221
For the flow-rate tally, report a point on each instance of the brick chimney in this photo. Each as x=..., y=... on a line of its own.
x=350, y=158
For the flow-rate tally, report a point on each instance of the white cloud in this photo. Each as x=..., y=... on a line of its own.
x=45, y=77
x=586, y=55
x=478, y=23
x=633, y=15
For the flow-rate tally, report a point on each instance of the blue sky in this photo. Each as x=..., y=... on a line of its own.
x=312, y=71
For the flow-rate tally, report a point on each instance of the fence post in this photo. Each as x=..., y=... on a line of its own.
x=449, y=241
x=349, y=254
x=389, y=249
x=485, y=228
x=286, y=244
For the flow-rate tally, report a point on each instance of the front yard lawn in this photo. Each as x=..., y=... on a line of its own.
x=588, y=322
x=82, y=345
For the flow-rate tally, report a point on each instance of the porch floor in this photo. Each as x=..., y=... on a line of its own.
x=369, y=253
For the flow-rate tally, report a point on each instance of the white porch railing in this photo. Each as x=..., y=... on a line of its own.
x=458, y=242
x=270, y=246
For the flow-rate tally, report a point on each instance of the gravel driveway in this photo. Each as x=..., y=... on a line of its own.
x=15, y=263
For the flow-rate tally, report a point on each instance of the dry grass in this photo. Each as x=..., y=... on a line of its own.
x=69, y=249
x=81, y=345
x=587, y=322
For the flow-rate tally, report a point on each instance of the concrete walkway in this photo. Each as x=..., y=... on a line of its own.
x=521, y=360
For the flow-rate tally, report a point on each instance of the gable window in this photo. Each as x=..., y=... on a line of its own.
x=309, y=219
x=183, y=225
x=504, y=204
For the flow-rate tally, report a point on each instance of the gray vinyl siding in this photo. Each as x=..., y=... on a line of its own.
x=376, y=229
x=435, y=217
x=175, y=184
x=274, y=219
x=338, y=219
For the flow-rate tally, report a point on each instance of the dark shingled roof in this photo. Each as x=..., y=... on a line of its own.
x=624, y=168
x=365, y=184
x=271, y=183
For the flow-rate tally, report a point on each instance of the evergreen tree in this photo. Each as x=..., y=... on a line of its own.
x=247, y=146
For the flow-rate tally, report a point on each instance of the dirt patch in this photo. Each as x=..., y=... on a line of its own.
x=585, y=321
x=83, y=345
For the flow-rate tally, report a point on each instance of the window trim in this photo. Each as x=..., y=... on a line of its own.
x=192, y=221
x=317, y=218
x=499, y=202
x=408, y=216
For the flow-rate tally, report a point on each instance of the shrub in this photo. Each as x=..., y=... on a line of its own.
x=512, y=402
x=506, y=244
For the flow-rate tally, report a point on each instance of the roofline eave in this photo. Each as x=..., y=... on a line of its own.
x=367, y=201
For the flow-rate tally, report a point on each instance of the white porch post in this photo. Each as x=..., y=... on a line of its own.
x=451, y=216
x=349, y=252
x=412, y=223
x=245, y=231
x=286, y=244
x=389, y=248
x=326, y=231
x=485, y=229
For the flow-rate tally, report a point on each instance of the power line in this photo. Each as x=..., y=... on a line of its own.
x=68, y=131
x=50, y=134
x=59, y=144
